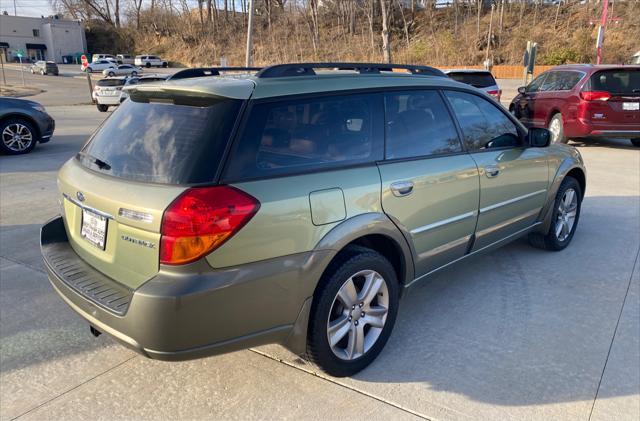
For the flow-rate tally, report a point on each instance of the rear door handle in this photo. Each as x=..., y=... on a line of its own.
x=402, y=188
x=492, y=171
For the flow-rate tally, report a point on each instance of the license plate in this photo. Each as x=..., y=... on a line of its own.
x=94, y=228
x=631, y=106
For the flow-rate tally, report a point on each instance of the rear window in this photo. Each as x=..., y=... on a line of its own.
x=295, y=136
x=163, y=142
x=110, y=82
x=622, y=81
x=475, y=79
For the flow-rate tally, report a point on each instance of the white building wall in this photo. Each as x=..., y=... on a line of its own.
x=61, y=37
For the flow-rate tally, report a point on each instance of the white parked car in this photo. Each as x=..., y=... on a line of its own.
x=108, y=92
x=97, y=66
x=123, y=70
x=149, y=61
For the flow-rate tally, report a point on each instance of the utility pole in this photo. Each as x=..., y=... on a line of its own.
x=249, y=57
x=486, y=58
x=603, y=25
x=15, y=9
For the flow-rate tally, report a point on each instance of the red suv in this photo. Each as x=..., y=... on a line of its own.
x=583, y=101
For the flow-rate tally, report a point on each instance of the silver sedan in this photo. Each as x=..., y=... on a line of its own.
x=123, y=70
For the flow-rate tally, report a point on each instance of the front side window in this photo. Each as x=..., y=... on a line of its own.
x=534, y=86
x=418, y=124
x=308, y=134
x=483, y=125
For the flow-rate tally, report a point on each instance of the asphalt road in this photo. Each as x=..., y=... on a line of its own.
x=518, y=334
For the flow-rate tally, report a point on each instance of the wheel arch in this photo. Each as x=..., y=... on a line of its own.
x=552, y=113
x=374, y=231
x=569, y=167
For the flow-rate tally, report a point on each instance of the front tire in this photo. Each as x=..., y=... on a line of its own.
x=636, y=142
x=18, y=136
x=556, y=127
x=353, y=312
x=103, y=108
x=564, y=220
x=111, y=74
x=148, y=65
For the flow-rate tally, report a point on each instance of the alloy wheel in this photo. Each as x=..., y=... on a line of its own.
x=358, y=315
x=554, y=128
x=17, y=137
x=567, y=210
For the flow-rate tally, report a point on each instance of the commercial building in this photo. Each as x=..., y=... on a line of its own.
x=46, y=38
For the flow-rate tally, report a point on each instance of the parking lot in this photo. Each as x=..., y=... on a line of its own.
x=518, y=334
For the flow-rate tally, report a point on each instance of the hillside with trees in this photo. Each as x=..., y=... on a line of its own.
x=458, y=32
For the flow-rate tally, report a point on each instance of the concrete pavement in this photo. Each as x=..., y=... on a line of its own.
x=517, y=334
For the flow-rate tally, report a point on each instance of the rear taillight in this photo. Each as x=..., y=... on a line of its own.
x=595, y=95
x=201, y=219
x=496, y=94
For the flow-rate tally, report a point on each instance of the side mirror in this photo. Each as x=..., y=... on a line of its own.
x=539, y=138
x=521, y=90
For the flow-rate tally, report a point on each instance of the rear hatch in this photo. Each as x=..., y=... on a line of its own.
x=109, y=87
x=478, y=79
x=612, y=99
x=114, y=192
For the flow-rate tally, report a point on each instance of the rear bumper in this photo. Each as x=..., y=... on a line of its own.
x=582, y=128
x=108, y=100
x=190, y=312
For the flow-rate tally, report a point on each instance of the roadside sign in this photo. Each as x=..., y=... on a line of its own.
x=20, y=53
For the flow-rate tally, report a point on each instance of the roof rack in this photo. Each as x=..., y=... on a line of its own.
x=307, y=69
x=209, y=71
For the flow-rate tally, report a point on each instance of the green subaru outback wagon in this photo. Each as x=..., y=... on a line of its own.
x=294, y=205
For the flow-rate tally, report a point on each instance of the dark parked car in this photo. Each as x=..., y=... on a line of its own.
x=583, y=101
x=45, y=68
x=23, y=123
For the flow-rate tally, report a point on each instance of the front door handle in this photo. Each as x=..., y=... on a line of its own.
x=492, y=171
x=402, y=188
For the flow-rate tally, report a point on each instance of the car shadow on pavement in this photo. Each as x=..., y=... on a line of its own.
x=523, y=326
x=517, y=326
x=609, y=143
x=45, y=156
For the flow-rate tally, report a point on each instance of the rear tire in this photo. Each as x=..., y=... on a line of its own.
x=148, y=65
x=134, y=73
x=556, y=127
x=358, y=322
x=636, y=142
x=103, y=108
x=564, y=220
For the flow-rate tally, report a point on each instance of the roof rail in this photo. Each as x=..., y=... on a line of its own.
x=209, y=71
x=307, y=69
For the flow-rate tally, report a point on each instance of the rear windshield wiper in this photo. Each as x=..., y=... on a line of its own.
x=97, y=161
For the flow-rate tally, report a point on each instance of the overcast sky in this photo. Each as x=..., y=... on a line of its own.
x=35, y=8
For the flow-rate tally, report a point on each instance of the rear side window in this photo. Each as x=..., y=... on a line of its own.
x=561, y=81
x=308, y=134
x=162, y=142
x=475, y=79
x=622, y=81
x=484, y=126
x=418, y=124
